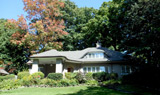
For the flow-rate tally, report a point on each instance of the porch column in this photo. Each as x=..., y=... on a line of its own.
x=59, y=66
x=34, y=66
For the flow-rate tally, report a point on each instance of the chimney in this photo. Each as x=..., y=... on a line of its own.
x=98, y=45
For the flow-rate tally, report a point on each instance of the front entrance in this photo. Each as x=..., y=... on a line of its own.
x=69, y=69
x=47, y=68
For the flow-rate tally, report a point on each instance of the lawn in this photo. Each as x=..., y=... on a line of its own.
x=78, y=90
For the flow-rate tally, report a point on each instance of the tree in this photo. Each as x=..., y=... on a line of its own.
x=105, y=27
x=45, y=27
x=14, y=56
x=75, y=19
x=142, y=31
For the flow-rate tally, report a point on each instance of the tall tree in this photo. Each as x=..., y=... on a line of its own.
x=14, y=56
x=105, y=27
x=75, y=19
x=142, y=30
x=45, y=27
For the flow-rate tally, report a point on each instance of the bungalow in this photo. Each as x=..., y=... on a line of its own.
x=95, y=59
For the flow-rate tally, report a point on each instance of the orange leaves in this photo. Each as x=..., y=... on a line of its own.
x=21, y=29
x=45, y=25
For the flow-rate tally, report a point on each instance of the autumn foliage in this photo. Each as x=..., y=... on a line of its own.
x=45, y=27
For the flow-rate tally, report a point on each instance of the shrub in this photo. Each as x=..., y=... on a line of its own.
x=113, y=76
x=39, y=75
x=101, y=76
x=9, y=84
x=89, y=76
x=23, y=74
x=27, y=80
x=92, y=82
x=55, y=76
x=73, y=82
x=80, y=77
x=11, y=76
x=70, y=75
x=47, y=82
x=67, y=82
x=111, y=82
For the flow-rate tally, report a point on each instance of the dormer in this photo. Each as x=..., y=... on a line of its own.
x=94, y=55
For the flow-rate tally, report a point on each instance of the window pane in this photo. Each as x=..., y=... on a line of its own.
x=101, y=55
x=97, y=69
x=89, y=69
x=96, y=55
x=89, y=55
x=84, y=69
x=106, y=69
x=102, y=69
x=93, y=69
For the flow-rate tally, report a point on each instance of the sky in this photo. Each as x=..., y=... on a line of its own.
x=10, y=9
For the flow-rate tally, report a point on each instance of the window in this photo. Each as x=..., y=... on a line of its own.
x=94, y=55
x=84, y=69
x=102, y=69
x=89, y=69
x=106, y=69
x=126, y=70
x=97, y=69
x=94, y=69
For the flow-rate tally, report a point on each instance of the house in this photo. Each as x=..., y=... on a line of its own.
x=95, y=59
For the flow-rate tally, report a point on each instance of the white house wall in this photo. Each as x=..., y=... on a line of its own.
x=34, y=66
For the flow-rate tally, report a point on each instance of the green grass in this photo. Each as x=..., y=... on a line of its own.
x=79, y=90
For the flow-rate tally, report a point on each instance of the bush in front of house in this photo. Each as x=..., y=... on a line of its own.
x=39, y=75
x=55, y=76
x=9, y=84
x=113, y=76
x=68, y=82
x=27, y=81
x=58, y=83
x=23, y=74
x=92, y=82
x=36, y=78
x=112, y=82
x=101, y=76
x=70, y=75
x=47, y=82
x=11, y=76
x=80, y=77
x=89, y=76
x=73, y=82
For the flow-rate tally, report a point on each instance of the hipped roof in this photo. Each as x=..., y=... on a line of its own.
x=78, y=55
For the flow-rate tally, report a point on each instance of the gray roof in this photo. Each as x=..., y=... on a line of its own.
x=78, y=55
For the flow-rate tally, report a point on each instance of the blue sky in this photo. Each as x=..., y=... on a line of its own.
x=10, y=9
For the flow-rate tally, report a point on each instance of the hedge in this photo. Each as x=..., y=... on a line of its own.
x=39, y=75
x=55, y=76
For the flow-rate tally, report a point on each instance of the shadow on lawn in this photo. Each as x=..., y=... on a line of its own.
x=96, y=91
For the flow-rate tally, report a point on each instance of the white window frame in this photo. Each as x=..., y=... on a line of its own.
x=95, y=69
